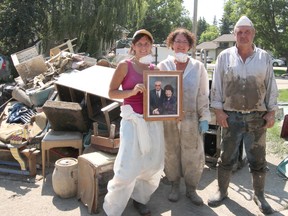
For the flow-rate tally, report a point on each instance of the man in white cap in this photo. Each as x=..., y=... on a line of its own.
x=244, y=97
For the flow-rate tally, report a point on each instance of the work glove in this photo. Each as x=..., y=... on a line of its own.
x=203, y=126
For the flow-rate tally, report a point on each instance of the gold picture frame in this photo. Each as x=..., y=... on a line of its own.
x=168, y=104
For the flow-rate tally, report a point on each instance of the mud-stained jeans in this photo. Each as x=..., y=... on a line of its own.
x=249, y=128
x=184, y=151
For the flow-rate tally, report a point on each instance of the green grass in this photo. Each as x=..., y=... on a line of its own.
x=279, y=72
x=283, y=95
x=275, y=144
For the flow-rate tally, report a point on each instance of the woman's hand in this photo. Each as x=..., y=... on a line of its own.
x=138, y=88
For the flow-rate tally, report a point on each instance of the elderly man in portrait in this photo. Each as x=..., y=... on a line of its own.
x=157, y=96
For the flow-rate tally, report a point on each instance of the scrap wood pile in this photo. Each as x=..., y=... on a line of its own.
x=21, y=116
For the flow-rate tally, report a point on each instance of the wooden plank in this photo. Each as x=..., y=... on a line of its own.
x=67, y=46
x=105, y=141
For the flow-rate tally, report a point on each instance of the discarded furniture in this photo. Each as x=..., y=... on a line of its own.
x=93, y=92
x=212, y=139
x=108, y=144
x=67, y=46
x=29, y=64
x=66, y=116
x=16, y=139
x=56, y=139
x=94, y=170
x=284, y=129
x=27, y=164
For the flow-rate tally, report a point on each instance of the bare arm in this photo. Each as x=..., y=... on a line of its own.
x=117, y=79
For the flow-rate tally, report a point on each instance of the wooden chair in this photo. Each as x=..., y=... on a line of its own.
x=56, y=139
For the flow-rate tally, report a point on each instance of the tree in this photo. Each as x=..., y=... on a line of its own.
x=22, y=24
x=210, y=34
x=227, y=22
x=202, y=26
x=163, y=16
x=94, y=22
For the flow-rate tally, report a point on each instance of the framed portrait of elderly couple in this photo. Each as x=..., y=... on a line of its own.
x=163, y=96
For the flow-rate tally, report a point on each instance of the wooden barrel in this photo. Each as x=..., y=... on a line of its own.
x=65, y=177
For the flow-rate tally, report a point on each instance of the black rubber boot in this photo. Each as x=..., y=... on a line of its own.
x=174, y=194
x=223, y=183
x=141, y=208
x=258, y=197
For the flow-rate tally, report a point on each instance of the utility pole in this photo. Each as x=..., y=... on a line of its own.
x=194, y=26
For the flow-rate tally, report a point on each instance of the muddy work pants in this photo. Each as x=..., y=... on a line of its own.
x=184, y=155
x=249, y=128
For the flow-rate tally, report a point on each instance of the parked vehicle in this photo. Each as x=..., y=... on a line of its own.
x=209, y=59
x=4, y=67
x=277, y=62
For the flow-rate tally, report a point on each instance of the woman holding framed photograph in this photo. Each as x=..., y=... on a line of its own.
x=184, y=155
x=140, y=159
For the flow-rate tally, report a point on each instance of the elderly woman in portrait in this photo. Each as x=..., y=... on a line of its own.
x=169, y=105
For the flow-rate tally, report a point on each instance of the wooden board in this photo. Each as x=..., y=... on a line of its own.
x=105, y=141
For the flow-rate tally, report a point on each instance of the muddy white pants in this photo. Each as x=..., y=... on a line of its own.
x=135, y=175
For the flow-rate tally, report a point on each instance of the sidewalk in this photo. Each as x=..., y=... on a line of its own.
x=23, y=196
x=282, y=83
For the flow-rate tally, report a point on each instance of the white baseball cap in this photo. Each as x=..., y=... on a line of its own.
x=244, y=21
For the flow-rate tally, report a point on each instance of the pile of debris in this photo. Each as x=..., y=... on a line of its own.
x=37, y=76
x=67, y=92
x=21, y=114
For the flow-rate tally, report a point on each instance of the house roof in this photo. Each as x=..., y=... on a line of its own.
x=225, y=38
x=207, y=45
x=215, y=43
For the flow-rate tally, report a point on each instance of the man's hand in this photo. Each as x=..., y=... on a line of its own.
x=156, y=112
x=270, y=119
x=221, y=118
